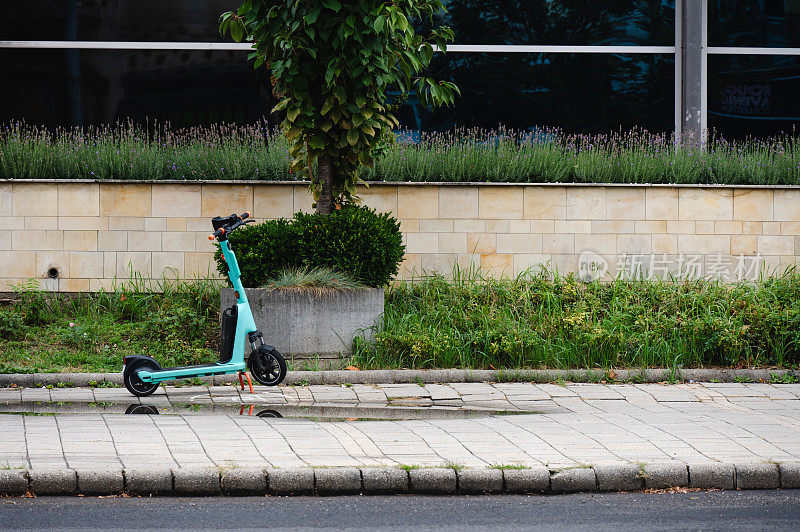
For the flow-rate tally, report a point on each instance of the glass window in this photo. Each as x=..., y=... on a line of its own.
x=756, y=23
x=581, y=93
x=753, y=95
x=186, y=88
x=114, y=20
x=562, y=22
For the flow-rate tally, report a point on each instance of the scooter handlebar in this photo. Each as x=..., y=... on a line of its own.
x=243, y=219
x=218, y=233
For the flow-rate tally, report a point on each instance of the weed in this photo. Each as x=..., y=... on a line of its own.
x=301, y=382
x=578, y=466
x=508, y=466
x=742, y=379
x=453, y=465
x=405, y=467
x=102, y=384
x=347, y=385
x=786, y=378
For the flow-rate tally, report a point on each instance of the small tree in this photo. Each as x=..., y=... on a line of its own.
x=332, y=62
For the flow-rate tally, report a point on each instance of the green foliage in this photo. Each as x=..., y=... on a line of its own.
x=366, y=245
x=34, y=303
x=79, y=336
x=357, y=240
x=546, y=321
x=332, y=63
x=262, y=251
x=12, y=325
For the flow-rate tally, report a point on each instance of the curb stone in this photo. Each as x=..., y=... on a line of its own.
x=243, y=481
x=478, y=481
x=384, y=480
x=148, y=481
x=664, y=475
x=618, y=477
x=290, y=481
x=763, y=476
x=427, y=376
x=535, y=479
x=338, y=481
x=53, y=482
x=576, y=479
x=100, y=481
x=434, y=481
x=13, y=482
x=196, y=481
x=790, y=475
x=622, y=476
x=712, y=475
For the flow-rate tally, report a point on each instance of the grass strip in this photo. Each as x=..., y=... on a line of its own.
x=537, y=320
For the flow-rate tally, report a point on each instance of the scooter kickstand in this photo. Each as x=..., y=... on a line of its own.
x=249, y=382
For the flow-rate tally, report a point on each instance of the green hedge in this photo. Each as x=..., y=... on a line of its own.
x=356, y=240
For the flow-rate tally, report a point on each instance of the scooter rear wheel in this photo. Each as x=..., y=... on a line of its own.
x=133, y=383
x=267, y=366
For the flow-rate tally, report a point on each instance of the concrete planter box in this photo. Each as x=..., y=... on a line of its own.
x=305, y=325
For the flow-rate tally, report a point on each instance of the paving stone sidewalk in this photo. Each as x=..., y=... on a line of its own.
x=572, y=426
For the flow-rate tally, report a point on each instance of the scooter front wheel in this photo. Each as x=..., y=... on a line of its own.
x=133, y=383
x=267, y=366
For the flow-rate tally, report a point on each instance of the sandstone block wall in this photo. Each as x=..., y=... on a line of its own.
x=95, y=232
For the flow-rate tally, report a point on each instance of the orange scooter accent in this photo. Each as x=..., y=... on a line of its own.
x=249, y=382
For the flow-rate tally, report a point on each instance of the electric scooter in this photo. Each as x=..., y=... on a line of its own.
x=142, y=374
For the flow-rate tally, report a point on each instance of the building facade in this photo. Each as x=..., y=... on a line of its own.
x=731, y=66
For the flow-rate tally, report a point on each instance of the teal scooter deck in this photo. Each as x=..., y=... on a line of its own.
x=202, y=370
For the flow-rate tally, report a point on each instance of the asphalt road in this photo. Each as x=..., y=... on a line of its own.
x=716, y=510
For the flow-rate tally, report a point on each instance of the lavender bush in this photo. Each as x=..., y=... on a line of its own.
x=156, y=152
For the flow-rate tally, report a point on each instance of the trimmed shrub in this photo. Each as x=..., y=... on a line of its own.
x=366, y=245
x=262, y=250
x=355, y=240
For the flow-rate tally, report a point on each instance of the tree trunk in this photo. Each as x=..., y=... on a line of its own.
x=325, y=170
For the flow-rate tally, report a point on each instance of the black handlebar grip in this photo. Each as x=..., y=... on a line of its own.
x=246, y=215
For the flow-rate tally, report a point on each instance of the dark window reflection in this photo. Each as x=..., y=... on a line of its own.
x=114, y=20
x=756, y=23
x=578, y=22
x=185, y=88
x=581, y=93
x=754, y=95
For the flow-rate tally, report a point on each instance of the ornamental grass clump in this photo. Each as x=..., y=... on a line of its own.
x=543, y=320
x=319, y=281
